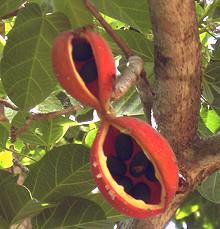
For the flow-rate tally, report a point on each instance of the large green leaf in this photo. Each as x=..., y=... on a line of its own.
x=134, y=13
x=71, y=213
x=75, y=10
x=63, y=171
x=26, y=68
x=210, y=188
x=42, y=132
x=17, y=204
x=8, y=6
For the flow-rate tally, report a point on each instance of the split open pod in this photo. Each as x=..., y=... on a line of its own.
x=85, y=67
x=134, y=167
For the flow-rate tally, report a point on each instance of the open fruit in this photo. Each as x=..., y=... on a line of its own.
x=134, y=167
x=84, y=66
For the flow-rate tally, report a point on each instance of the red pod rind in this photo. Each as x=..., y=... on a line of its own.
x=158, y=151
x=98, y=94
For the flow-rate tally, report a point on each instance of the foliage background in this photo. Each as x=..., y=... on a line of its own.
x=59, y=184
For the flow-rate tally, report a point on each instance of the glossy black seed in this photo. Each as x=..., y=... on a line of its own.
x=115, y=166
x=139, y=164
x=150, y=173
x=125, y=182
x=81, y=50
x=89, y=72
x=141, y=192
x=124, y=146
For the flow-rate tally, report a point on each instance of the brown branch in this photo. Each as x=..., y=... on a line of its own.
x=14, y=13
x=8, y=104
x=42, y=116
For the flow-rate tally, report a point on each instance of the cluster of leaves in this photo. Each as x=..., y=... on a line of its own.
x=59, y=183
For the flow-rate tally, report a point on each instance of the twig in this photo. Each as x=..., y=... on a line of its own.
x=42, y=116
x=14, y=13
x=8, y=104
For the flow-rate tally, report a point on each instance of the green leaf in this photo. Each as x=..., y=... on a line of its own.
x=71, y=213
x=8, y=6
x=133, y=13
x=17, y=204
x=210, y=188
x=75, y=10
x=6, y=177
x=42, y=132
x=4, y=130
x=129, y=104
x=111, y=214
x=51, y=103
x=3, y=223
x=90, y=137
x=137, y=42
x=210, y=118
x=26, y=67
x=64, y=171
x=211, y=83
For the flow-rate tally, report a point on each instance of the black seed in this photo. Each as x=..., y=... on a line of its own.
x=81, y=50
x=89, y=72
x=125, y=182
x=115, y=166
x=139, y=164
x=150, y=173
x=140, y=192
x=124, y=146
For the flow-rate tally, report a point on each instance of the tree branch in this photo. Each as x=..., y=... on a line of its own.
x=42, y=116
x=14, y=13
x=5, y=103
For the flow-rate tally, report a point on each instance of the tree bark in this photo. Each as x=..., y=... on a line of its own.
x=177, y=69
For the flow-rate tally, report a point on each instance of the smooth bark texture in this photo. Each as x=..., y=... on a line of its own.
x=177, y=100
x=177, y=69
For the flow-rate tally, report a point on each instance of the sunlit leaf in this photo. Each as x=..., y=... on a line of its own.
x=6, y=159
x=90, y=137
x=210, y=118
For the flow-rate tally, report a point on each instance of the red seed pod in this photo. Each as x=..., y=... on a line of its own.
x=134, y=167
x=84, y=66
